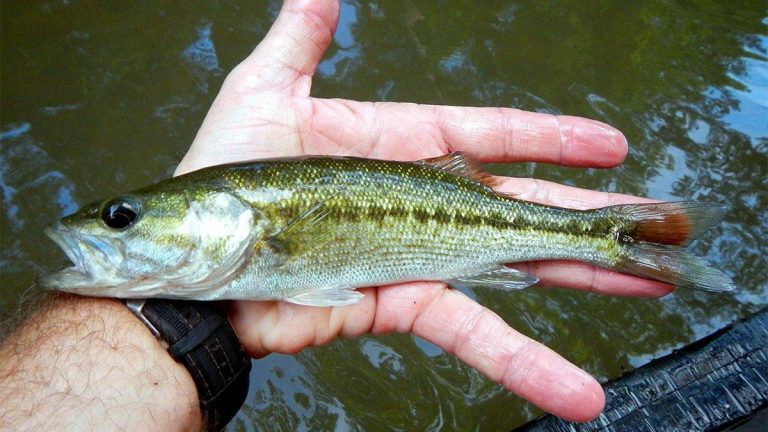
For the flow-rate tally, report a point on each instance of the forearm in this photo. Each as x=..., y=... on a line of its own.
x=85, y=363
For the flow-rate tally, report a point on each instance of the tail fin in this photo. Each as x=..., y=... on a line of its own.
x=670, y=223
x=673, y=265
x=652, y=241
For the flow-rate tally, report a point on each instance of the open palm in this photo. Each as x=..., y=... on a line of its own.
x=265, y=110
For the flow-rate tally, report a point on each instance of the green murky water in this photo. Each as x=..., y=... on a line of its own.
x=100, y=97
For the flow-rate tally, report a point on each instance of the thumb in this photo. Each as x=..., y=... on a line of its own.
x=291, y=50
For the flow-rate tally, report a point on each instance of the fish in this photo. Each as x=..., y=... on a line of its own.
x=312, y=230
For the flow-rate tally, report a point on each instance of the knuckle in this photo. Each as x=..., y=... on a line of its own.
x=519, y=366
x=471, y=330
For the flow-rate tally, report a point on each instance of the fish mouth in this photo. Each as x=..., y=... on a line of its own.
x=93, y=259
x=67, y=241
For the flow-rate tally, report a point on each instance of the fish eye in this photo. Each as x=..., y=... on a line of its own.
x=120, y=213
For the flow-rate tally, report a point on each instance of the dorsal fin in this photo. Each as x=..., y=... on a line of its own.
x=458, y=163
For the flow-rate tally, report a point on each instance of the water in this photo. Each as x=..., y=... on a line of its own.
x=103, y=97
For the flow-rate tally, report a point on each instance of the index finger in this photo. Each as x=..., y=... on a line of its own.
x=512, y=135
x=491, y=134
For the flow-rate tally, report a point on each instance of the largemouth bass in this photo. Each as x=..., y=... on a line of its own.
x=311, y=230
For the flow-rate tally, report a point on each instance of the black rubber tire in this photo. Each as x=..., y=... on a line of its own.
x=706, y=386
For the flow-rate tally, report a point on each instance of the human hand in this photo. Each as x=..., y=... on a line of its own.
x=264, y=110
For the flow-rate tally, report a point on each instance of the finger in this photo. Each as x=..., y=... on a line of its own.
x=550, y=193
x=291, y=50
x=511, y=135
x=265, y=327
x=585, y=277
x=492, y=134
x=484, y=341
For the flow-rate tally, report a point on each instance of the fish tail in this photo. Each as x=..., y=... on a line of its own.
x=673, y=265
x=652, y=242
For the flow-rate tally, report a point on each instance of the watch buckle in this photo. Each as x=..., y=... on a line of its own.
x=137, y=307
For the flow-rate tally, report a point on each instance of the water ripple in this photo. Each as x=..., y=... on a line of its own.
x=200, y=57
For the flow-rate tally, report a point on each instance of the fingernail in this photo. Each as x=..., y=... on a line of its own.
x=600, y=145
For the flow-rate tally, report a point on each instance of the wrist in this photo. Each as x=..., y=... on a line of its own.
x=198, y=335
x=82, y=362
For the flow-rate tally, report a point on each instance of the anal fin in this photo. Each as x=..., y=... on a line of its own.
x=326, y=297
x=503, y=278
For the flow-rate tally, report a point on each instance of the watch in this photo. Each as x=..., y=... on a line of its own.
x=198, y=335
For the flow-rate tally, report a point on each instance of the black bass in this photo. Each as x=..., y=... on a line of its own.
x=311, y=230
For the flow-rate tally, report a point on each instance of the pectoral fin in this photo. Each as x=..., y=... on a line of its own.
x=503, y=278
x=306, y=220
x=326, y=297
x=277, y=245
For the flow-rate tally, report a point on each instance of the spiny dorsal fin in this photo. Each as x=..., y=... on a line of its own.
x=458, y=163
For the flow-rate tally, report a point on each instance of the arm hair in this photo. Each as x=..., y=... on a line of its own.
x=88, y=363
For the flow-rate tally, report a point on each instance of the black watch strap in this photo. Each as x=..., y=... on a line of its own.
x=198, y=335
